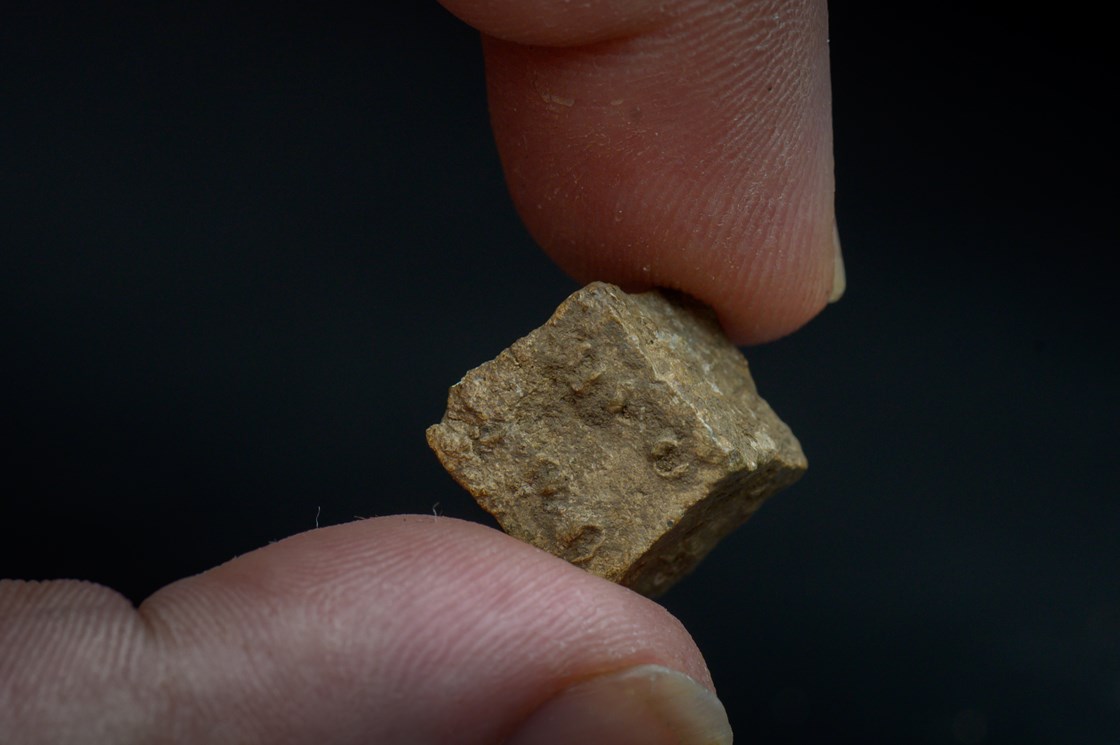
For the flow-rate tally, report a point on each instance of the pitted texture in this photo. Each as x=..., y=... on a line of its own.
x=625, y=435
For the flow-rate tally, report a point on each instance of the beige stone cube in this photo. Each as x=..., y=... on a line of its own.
x=625, y=435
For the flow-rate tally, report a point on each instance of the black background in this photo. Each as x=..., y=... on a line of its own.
x=245, y=251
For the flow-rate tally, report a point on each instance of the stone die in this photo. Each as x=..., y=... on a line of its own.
x=625, y=435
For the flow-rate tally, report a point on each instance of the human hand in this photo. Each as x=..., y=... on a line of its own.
x=685, y=146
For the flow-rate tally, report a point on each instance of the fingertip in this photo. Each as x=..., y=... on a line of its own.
x=414, y=627
x=695, y=156
x=414, y=623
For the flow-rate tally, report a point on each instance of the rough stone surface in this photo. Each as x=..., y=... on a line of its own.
x=625, y=435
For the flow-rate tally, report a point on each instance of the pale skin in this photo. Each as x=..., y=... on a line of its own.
x=683, y=144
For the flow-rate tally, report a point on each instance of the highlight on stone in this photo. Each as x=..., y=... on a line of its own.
x=624, y=435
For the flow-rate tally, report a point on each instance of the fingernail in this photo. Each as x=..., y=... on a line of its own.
x=839, y=276
x=646, y=705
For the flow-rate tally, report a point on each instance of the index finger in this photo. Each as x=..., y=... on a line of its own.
x=683, y=144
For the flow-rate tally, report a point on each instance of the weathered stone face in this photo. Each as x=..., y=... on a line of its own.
x=625, y=435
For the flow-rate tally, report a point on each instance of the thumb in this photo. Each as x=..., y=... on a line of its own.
x=408, y=629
